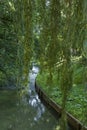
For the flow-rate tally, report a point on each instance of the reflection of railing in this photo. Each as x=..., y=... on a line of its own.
x=73, y=122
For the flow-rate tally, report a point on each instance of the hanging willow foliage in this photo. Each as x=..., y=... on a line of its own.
x=54, y=29
x=24, y=36
x=78, y=29
x=53, y=47
x=59, y=26
x=27, y=37
x=43, y=36
x=85, y=64
x=66, y=73
x=19, y=32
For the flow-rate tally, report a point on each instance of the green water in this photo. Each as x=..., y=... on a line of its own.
x=17, y=114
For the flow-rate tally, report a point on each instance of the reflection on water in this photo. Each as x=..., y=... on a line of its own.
x=32, y=75
x=34, y=100
x=26, y=114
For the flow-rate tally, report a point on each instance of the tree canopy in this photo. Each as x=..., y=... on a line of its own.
x=49, y=32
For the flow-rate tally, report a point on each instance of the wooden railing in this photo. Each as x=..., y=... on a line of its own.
x=75, y=123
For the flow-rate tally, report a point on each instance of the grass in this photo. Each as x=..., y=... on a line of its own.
x=77, y=99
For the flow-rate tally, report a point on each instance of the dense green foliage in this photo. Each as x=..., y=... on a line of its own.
x=49, y=32
x=62, y=38
x=8, y=45
x=76, y=101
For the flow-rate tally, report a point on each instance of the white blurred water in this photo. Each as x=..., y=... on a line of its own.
x=34, y=100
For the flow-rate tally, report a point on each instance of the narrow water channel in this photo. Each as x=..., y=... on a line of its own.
x=28, y=113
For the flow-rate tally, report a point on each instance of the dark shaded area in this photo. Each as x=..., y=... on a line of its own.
x=16, y=114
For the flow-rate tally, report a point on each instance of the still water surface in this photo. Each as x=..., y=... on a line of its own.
x=26, y=113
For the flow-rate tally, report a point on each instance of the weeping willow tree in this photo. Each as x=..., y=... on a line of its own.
x=19, y=29
x=60, y=29
x=27, y=37
x=24, y=38
x=43, y=27
x=66, y=72
x=53, y=48
x=84, y=52
x=49, y=29
x=56, y=46
x=63, y=33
